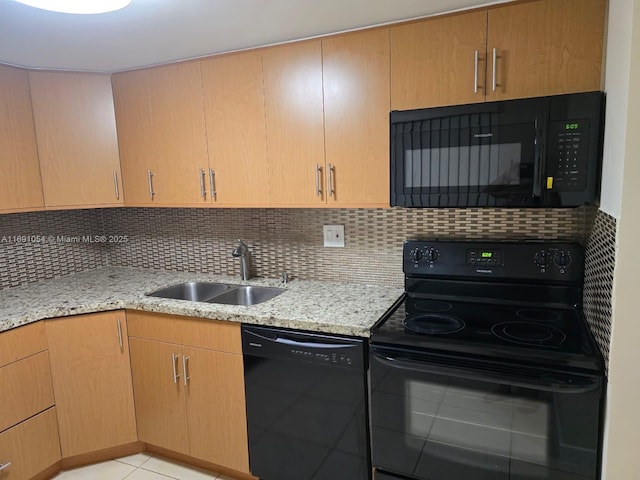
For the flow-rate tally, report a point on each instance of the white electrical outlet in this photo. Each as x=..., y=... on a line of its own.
x=333, y=235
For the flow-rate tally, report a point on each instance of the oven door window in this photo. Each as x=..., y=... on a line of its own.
x=438, y=163
x=434, y=423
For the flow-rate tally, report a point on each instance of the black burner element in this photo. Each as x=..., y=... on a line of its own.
x=527, y=333
x=432, y=306
x=538, y=315
x=434, y=324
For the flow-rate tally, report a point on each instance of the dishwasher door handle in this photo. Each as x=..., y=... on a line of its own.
x=296, y=343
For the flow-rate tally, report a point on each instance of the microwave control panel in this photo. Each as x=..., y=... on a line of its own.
x=567, y=155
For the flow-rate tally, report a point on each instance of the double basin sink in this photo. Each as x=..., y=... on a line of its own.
x=224, y=293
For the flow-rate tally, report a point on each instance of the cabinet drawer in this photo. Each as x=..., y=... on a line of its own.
x=22, y=342
x=194, y=332
x=25, y=389
x=31, y=446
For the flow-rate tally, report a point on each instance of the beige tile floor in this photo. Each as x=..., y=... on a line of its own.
x=142, y=466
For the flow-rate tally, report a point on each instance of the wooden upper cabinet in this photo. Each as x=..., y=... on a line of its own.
x=163, y=141
x=546, y=47
x=356, y=108
x=236, y=131
x=92, y=381
x=77, y=141
x=433, y=62
x=295, y=123
x=20, y=185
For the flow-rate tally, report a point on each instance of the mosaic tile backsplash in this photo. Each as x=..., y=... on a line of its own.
x=288, y=240
x=291, y=239
x=41, y=245
x=598, y=279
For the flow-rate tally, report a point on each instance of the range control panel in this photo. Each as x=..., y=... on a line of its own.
x=552, y=261
x=568, y=155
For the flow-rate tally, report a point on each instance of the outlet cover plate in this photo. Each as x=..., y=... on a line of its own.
x=333, y=235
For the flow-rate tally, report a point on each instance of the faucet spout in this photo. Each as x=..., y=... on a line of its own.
x=242, y=252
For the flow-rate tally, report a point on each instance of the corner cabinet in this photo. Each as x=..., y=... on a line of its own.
x=524, y=49
x=188, y=382
x=161, y=133
x=20, y=184
x=29, y=443
x=77, y=141
x=92, y=382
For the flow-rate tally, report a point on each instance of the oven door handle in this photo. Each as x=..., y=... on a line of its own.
x=556, y=383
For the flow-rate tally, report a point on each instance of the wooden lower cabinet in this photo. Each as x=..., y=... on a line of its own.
x=216, y=408
x=31, y=446
x=190, y=399
x=159, y=396
x=92, y=382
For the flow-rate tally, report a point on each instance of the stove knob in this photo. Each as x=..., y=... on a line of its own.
x=562, y=258
x=416, y=255
x=542, y=258
x=432, y=255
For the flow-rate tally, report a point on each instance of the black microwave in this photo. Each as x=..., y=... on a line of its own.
x=534, y=152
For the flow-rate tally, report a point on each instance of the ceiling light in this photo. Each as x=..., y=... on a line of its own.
x=77, y=6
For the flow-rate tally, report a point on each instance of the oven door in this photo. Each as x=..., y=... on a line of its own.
x=471, y=156
x=436, y=418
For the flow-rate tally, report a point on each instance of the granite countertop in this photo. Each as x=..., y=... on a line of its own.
x=329, y=307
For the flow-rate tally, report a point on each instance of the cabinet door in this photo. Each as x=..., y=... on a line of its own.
x=92, y=381
x=77, y=140
x=161, y=124
x=31, y=447
x=356, y=108
x=295, y=123
x=545, y=47
x=236, y=131
x=216, y=408
x=20, y=185
x=159, y=395
x=433, y=62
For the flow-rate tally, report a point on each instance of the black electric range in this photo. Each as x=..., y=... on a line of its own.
x=485, y=367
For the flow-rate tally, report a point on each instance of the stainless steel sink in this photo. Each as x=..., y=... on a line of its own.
x=247, y=295
x=193, y=291
x=218, y=293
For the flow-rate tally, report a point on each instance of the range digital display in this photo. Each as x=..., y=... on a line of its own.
x=486, y=254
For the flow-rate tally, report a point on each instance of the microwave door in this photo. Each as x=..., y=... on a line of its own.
x=465, y=167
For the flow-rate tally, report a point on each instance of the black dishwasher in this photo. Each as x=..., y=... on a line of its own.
x=306, y=408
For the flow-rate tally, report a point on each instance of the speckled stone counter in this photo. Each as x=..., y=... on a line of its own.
x=345, y=309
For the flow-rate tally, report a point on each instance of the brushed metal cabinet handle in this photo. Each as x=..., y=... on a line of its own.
x=174, y=359
x=115, y=184
x=4, y=466
x=318, y=188
x=332, y=190
x=120, y=335
x=203, y=189
x=150, y=177
x=185, y=375
x=475, y=73
x=495, y=58
x=212, y=184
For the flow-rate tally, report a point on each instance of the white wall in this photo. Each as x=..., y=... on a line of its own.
x=618, y=53
x=622, y=432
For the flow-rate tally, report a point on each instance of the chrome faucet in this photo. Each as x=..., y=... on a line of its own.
x=242, y=251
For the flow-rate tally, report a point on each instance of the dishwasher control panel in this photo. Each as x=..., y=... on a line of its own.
x=334, y=358
x=312, y=347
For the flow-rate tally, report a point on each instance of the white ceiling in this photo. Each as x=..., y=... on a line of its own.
x=150, y=32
